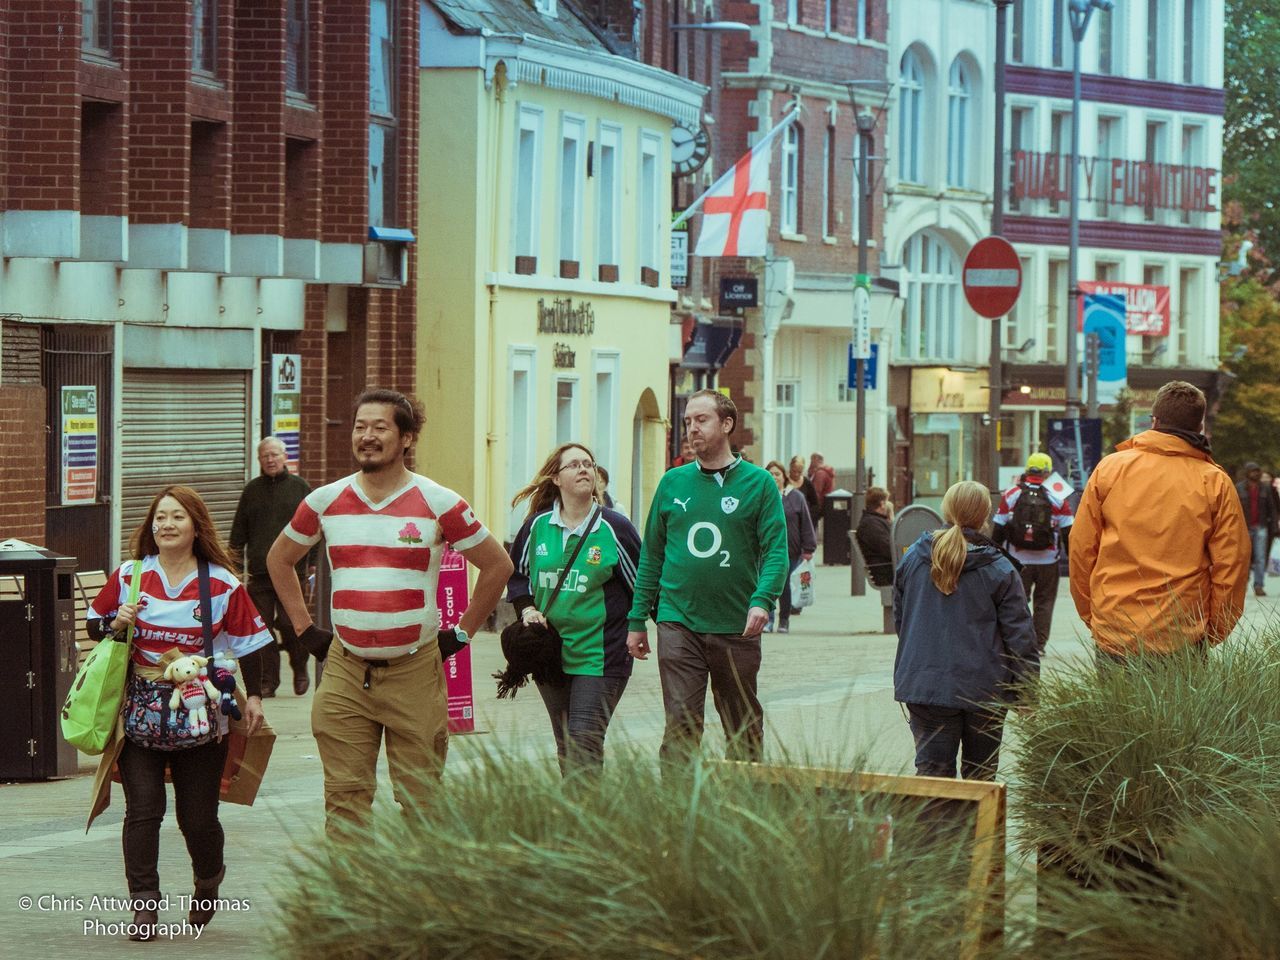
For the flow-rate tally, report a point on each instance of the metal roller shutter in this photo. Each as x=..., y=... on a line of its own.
x=183, y=426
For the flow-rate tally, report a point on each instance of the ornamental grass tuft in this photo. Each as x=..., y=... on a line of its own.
x=1113, y=765
x=1214, y=898
x=507, y=861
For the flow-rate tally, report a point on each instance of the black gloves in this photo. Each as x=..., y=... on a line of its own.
x=316, y=641
x=449, y=643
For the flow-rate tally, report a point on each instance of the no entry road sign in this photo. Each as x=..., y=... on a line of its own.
x=992, y=277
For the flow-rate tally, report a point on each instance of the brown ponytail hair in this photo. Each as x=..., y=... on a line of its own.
x=966, y=504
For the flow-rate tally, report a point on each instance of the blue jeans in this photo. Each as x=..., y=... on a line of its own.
x=941, y=732
x=1258, y=539
x=580, y=712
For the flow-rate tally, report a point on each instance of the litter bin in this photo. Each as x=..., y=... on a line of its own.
x=835, y=528
x=38, y=630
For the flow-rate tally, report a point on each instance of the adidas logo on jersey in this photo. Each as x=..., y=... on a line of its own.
x=541, y=551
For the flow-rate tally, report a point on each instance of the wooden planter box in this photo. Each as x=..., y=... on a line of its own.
x=649, y=276
x=569, y=269
x=608, y=273
x=526, y=266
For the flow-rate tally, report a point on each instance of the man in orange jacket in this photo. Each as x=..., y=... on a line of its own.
x=1160, y=551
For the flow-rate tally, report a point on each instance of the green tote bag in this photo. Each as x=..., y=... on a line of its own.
x=89, y=715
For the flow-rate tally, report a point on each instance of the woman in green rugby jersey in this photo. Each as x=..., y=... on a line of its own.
x=590, y=612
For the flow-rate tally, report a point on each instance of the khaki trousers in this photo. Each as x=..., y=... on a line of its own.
x=405, y=700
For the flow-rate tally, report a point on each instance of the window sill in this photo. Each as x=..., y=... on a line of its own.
x=793, y=237
x=831, y=241
x=206, y=79
x=101, y=58
x=299, y=100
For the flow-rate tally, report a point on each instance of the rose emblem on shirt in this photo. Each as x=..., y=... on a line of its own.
x=410, y=533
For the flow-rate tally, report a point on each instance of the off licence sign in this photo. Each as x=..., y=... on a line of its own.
x=992, y=277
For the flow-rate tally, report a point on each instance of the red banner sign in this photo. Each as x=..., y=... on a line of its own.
x=1146, y=306
x=1125, y=183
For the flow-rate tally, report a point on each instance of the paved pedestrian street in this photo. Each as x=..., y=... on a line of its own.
x=827, y=688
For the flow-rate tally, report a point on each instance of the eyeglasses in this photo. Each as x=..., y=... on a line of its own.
x=579, y=465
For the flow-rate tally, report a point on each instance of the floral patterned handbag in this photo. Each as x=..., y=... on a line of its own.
x=148, y=721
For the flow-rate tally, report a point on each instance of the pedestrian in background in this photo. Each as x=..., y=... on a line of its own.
x=875, y=538
x=1260, y=517
x=590, y=611
x=167, y=549
x=1159, y=549
x=1269, y=481
x=714, y=562
x=797, y=480
x=1035, y=527
x=966, y=645
x=385, y=530
x=823, y=479
x=801, y=541
x=267, y=503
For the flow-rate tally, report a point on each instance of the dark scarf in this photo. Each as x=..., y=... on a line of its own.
x=1197, y=440
x=531, y=650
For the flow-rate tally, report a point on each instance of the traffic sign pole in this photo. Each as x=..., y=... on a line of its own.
x=992, y=283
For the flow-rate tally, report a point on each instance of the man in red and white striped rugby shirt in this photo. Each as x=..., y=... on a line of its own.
x=385, y=529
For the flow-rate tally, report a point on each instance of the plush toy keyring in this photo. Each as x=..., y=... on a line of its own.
x=223, y=676
x=191, y=689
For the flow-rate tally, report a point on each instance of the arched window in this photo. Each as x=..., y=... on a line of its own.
x=931, y=315
x=792, y=177
x=959, y=135
x=910, y=118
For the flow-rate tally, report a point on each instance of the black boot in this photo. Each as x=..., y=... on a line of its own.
x=202, y=901
x=145, y=916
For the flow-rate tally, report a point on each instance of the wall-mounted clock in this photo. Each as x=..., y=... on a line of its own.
x=689, y=149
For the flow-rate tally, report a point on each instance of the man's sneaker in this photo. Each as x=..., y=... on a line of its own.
x=1259, y=591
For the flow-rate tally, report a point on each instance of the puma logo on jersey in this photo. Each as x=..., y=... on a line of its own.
x=684, y=504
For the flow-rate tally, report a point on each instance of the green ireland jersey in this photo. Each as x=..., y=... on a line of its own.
x=590, y=613
x=715, y=544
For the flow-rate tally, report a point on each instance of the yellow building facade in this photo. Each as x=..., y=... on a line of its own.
x=543, y=260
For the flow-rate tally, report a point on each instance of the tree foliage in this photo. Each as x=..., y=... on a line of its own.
x=1251, y=131
x=1246, y=426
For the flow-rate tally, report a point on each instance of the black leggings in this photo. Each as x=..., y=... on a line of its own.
x=197, y=779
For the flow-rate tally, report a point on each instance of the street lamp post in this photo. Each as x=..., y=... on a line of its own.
x=1081, y=12
x=866, y=122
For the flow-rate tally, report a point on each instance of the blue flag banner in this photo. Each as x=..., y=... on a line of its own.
x=1104, y=315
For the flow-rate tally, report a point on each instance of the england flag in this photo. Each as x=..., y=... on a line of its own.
x=735, y=211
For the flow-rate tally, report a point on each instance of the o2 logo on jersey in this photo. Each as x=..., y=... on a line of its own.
x=708, y=534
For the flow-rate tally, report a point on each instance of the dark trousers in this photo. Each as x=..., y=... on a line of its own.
x=1040, y=581
x=197, y=777
x=263, y=595
x=784, y=602
x=686, y=661
x=941, y=732
x=580, y=711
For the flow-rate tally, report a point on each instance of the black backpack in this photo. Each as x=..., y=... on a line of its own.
x=1031, y=527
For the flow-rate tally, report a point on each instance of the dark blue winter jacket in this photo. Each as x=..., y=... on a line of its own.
x=968, y=648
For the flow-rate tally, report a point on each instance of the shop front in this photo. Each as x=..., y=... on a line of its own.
x=948, y=409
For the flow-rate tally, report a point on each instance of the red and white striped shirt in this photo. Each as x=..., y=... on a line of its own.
x=169, y=614
x=385, y=558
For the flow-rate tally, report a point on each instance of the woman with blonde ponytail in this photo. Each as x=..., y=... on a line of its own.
x=965, y=640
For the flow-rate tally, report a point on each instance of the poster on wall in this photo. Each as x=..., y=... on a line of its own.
x=286, y=403
x=451, y=597
x=79, y=445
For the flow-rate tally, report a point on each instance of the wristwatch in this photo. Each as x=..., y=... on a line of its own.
x=462, y=636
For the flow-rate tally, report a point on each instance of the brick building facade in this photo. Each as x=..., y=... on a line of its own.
x=787, y=373
x=187, y=190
